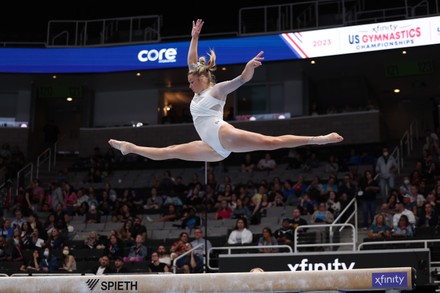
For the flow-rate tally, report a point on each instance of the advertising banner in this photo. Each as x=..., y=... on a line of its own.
x=415, y=258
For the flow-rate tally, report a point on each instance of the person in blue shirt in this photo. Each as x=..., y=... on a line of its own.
x=49, y=262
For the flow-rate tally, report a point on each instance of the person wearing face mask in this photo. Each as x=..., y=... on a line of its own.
x=386, y=167
x=405, y=188
x=69, y=263
x=49, y=262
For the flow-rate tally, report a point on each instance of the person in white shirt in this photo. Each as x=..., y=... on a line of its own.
x=241, y=234
x=386, y=167
x=401, y=210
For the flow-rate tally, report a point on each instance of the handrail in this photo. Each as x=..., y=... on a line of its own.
x=330, y=244
x=45, y=156
x=246, y=247
x=30, y=170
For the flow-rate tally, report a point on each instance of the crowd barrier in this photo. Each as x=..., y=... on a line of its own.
x=381, y=279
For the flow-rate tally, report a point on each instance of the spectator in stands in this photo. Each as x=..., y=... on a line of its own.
x=138, y=252
x=368, y=194
x=56, y=240
x=189, y=263
x=113, y=248
x=37, y=194
x=267, y=239
x=322, y=215
x=386, y=167
x=307, y=205
x=199, y=240
x=18, y=219
x=35, y=241
x=164, y=256
x=240, y=210
x=49, y=262
x=156, y=266
x=255, y=205
x=70, y=198
x=174, y=199
x=178, y=246
x=316, y=190
x=265, y=204
x=401, y=210
x=409, y=204
x=69, y=262
x=267, y=163
x=103, y=266
x=32, y=264
x=57, y=194
x=17, y=251
x=138, y=228
x=93, y=241
x=154, y=202
x=333, y=204
x=5, y=249
x=171, y=213
x=379, y=230
x=119, y=267
x=190, y=219
x=405, y=188
x=247, y=165
x=224, y=211
x=286, y=233
x=418, y=199
x=403, y=228
x=331, y=185
x=6, y=230
x=428, y=218
x=125, y=232
x=332, y=166
x=297, y=221
x=225, y=194
x=93, y=216
x=347, y=187
x=241, y=233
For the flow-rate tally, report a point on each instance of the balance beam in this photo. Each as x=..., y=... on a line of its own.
x=388, y=279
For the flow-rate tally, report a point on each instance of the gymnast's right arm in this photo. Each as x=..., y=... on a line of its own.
x=193, y=47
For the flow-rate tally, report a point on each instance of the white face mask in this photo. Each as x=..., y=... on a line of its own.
x=46, y=253
x=385, y=154
x=65, y=252
x=406, y=181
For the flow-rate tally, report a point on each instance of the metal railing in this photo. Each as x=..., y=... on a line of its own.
x=44, y=157
x=99, y=32
x=230, y=249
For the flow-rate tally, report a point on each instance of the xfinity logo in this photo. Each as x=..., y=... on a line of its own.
x=161, y=56
x=112, y=285
x=319, y=266
x=389, y=280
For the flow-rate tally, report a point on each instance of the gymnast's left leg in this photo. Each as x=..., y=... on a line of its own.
x=238, y=140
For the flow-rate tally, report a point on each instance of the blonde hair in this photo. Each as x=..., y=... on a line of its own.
x=205, y=68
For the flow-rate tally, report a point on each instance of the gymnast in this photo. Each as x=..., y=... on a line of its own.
x=218, y=137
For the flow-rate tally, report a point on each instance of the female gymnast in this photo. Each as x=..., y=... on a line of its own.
x=218, y=137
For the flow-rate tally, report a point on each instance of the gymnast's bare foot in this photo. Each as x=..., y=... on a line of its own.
x=123, y=146
x=324, y=139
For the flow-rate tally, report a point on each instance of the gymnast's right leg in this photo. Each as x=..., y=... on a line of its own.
x=192, y=151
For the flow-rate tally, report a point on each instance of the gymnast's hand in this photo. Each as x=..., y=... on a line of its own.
x=255, y=62
x=196, y=28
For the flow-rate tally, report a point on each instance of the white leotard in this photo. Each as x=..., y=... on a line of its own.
x=207, y=112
